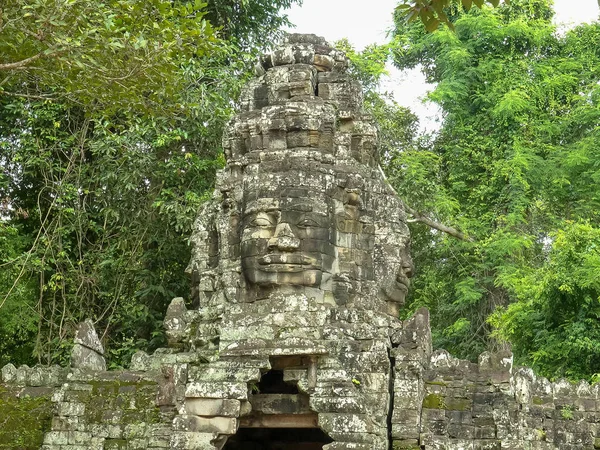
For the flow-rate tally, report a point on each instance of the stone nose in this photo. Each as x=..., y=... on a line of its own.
x=408, y=268
x=284, y=238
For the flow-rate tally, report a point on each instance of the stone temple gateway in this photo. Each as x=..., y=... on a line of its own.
x=300, y=265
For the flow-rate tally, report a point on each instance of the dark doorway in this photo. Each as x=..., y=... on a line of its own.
x=272, y=383
x=278, y=439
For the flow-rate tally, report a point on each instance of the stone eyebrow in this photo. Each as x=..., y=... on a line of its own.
x=259, y=209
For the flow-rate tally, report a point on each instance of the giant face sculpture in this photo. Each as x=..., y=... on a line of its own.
x=287, y=240
x=302, y=201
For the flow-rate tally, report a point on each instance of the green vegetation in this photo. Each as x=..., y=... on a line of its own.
x=110, y=126
x=110, y=122
x=432, y=13
x=24, y=420
x=434, y=401
x=566, y=412
x=438, y=401
x=514, y=170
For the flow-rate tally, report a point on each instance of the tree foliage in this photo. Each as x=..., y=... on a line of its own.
x=110, y=121
x=432, y=13
x=249, y=24
x=112, y=55
x=514, y=167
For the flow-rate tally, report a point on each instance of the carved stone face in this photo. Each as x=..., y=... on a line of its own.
x=287, y=241
x=396, y=287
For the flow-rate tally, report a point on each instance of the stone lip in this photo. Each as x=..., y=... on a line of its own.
x=283, y=347
x=87, y=337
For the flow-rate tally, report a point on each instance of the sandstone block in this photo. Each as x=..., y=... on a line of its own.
x=9, y=373
x=237, y=391
x=85, y=358
x=219, y=425
x=212, y=407
x=86, y=336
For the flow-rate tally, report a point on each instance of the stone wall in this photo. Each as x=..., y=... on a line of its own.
x=176, y=400
x=76, y=409
x=446, y=403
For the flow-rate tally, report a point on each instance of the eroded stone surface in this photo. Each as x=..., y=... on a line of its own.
x=88, y=351
x=86, y=335
x=303, y=251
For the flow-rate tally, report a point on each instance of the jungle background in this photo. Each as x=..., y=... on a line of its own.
x=111, y=114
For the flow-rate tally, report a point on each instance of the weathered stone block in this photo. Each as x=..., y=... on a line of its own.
x=219, y=425
x=71, y=409
x=346, y=423
x=323, y=63
x=212, y=407
x=9, y=373
x=347, y=446
x=198, y=389
x=86, y=336
x=56, y=438
x=84, y=358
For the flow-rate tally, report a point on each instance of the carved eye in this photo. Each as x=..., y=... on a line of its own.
x=261, y=221
x=307, y=223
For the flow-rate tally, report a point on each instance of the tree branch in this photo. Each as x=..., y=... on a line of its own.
x=418, y=217
x=33, y=97
x=22, y=63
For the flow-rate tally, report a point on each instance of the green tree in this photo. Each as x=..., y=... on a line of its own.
x=432, y=13
x=554, y=323
x=110, y=123
x=249, y=24
x=513, y=167
x=114, y=55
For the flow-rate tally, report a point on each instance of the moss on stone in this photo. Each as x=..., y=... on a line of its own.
x=436, y=383
x=434, y=401
x=121, y=402
x=401, y=445
x=115, y=444
x=537, y=400
x=437, y=401
x=458, y=404
x=24, y=420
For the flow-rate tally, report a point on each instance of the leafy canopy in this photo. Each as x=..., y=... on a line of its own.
x=514, y=167
x=432, y=13
x=110, y=124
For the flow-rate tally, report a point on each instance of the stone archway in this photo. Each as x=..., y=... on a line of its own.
x=280, y=417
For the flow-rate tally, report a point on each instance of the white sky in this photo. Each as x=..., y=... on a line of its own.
x=367, y=23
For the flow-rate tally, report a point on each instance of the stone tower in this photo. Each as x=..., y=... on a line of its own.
x=301, y=258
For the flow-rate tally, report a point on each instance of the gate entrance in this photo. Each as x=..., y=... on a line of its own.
x=278, y=439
